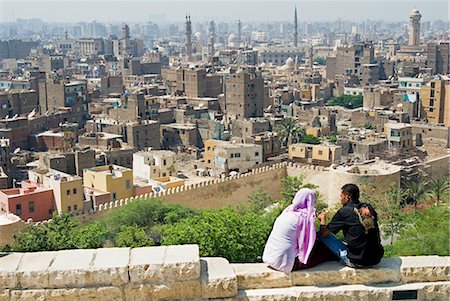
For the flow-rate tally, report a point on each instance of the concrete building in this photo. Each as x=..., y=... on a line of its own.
x=154, y=164
x=5, y=163
x=222, y=157
x=349, y=60
x=245, y=95
x=269, y=141
x=438, y=58
x=29, y=201
x=18, y=102
x=435, y=100
x=175, y=135
x=249, y=127
x=67, y=189
x=399, y=136
x=277, y=55
x=113, y=179
x=316, y=154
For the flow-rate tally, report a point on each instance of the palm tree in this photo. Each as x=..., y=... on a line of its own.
x=438, y=189
x=391, y=212
x=417, y=191
x=290, y=131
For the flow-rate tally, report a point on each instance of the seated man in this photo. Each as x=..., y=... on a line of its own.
x=359, y=223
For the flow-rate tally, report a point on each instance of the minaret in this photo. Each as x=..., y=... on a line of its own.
x=66, y=34
x=295, y=28
x=311, y=57
x=239, y=33
x=188, y=36
x=414, y=28
x=212, y=38
x=125, y=32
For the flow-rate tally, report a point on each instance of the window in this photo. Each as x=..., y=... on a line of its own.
x=232, y=156
x=69, y=209
x=18, y=209
x=164, y=174
x=75, y=207
x=31, y=207
x=114, y=196
x=68, y=192
x=320, y=152
x=431, y=109
x=74, y=191
x=256, y=154
x=209, y=161
x=237, y=155
x=164, y=162
x=127, y=184
x=431, y=102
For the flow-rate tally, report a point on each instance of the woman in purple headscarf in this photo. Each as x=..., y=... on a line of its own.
x=293, y=235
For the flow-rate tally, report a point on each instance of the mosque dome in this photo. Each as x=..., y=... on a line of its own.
x=198, y=36
x=290, y=62
x=232, y=38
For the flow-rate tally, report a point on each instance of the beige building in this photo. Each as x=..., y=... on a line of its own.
x=114, y=179
x=317, y=154
x=435, y=99
x=154, y=164
x=224, y=156
x=67, y=189
x=399, y=136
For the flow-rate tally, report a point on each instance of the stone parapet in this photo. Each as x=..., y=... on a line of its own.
x=178, y=273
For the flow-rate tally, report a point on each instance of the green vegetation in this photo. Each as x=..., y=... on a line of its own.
x=332, y=138
x=310, y=139
x=290, y=131
x=239, y=234
x=347, y=101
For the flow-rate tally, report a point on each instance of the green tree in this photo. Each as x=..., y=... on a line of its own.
x=91, y=236
x=390, y=212
x=438, y=189
x=259, y=200
x=332, y=139
x=417, y=191
x=290, y=131
x=310, y=139
x=347, y=101
x=132, y=237
x=32, y=239
x=227, y=232
x=293, y=184
x=427, y=233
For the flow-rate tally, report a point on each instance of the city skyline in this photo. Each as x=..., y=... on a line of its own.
x=68, y=11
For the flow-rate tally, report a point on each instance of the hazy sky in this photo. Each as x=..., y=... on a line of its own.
x=200, y=10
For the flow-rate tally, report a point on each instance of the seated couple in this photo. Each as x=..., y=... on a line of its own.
x=295, y=244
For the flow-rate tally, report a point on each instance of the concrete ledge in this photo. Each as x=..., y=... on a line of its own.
x=438, y=291
x=218, y=278
x=425, y=268
x=8, y=267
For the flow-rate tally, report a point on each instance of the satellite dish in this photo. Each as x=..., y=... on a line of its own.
x=399, y=105
x=16, y=151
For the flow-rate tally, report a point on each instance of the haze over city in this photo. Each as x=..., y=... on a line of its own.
x=220, y=10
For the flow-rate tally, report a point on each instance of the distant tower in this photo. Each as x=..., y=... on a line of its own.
x=311, y=57
x=295, y=28
x=188, y=36
x=66, y=34
x=212, y=38
x=239, y=33
x=414, y=28
x=125, y=31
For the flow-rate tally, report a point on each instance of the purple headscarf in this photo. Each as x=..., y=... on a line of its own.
x=303, y=206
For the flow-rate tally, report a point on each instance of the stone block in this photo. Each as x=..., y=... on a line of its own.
x=218, y=278
x=29, y=295
x=110, y=267
x=33, y=270
x=4, y=295
x=92, y=294
x=71, y=268
x=425, y=268
x=258, y=275
x=164, y=291
x=8, y=268
x=156, y=264
x=333, y=273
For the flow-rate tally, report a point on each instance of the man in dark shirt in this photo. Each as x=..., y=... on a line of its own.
x=363, y=245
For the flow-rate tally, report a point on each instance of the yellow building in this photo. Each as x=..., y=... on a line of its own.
x=116, y=180
x=208, y=155
x=435, y=99
x=318, y=154
x=67, y=189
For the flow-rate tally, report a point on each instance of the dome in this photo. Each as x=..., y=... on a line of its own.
x=198, y=36
x=232, y=38
x=290, y=62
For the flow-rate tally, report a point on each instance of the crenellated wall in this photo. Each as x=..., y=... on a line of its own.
x=178, y=273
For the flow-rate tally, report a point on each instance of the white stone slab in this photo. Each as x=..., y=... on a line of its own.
x=258, y=275
x=71, y=268
x=8, y=267
x=33, y=269
x=425, y=268
x=4, y=295
x=110, y=267
x=29, y=295
x=184, y=290
x=91, y=294
x=218, y=278
x=182, y=263
x=145, y=264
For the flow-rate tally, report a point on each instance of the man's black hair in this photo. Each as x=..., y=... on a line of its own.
x=352, y=190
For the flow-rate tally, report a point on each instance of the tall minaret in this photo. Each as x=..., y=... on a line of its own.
x=295, y=28
x=239, y=33
x=188, y=36
x=414, y=28
x=212, y=38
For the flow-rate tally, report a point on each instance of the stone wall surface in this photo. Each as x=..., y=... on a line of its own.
x=178, y=273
